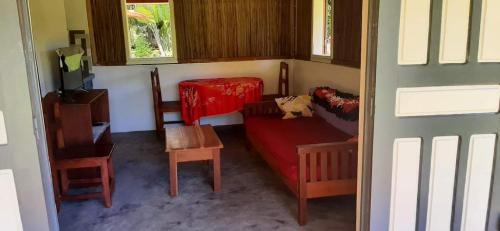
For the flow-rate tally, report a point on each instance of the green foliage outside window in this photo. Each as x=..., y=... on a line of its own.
x=150, y=30
x=329, y=26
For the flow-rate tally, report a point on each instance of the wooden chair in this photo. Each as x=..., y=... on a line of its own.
x=64, y=159
x=283, y=84
x=160, y=106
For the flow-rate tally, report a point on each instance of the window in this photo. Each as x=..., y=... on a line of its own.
x=149, y=31
x=322, y=30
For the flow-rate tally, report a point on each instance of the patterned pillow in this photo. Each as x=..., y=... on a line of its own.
x=295, y=106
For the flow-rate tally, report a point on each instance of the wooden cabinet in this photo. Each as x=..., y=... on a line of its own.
x=85, y=119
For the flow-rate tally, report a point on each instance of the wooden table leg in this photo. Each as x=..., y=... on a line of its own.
x=173, y=174
x=217, y=175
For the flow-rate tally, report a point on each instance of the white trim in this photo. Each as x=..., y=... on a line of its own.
x=414, y=32
x=160, y=60
x=447, y=100
x=3, y=131
x=321, y=58
x=442, y=182
x=404, y=186
x=10, y=217
x=478, y=182
x=454, y=31
x=489, y=47
x=316, y=57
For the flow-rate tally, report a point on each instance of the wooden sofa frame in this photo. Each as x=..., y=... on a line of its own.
x=316, y=180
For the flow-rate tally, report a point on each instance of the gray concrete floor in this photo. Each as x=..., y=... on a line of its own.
x=252, y=197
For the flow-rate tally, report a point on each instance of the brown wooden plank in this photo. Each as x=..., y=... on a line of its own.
x=172, y=158
x=331, y=188
x=216, y=168
x=347, y=32
x=302, y=194
x=69, y=124
x=313, y=167
x=335, y=165
x=303, y=29
x=210, y=137
x=191, y=137
x=324, y=168
x=218, y=30
x=354, y=165
x=194, y=155
x=344, y=165
x=107, y=30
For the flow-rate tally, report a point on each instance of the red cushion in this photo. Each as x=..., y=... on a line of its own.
x=278, y=138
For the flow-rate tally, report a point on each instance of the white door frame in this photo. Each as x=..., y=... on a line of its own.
x=369, y=36
x=36, y=107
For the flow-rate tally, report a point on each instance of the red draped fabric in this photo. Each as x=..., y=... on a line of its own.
x=206, y=97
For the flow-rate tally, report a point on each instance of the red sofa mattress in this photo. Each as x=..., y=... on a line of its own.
x=277, y=139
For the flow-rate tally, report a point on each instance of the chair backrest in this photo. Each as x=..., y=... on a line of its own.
x=48, y=103
x=49, y=119
x=157, y=99
x=283, y=81
x=156, y=88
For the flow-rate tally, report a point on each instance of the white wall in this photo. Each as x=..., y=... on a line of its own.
x=48, y=20
x=76, y=14
x=131, y=103
x=308, y=74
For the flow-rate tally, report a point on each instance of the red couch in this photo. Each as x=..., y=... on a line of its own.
x=291, y=146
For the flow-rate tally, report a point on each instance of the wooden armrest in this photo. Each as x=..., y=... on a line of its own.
x=327, y=147
x=261, y=108
x=333, y=161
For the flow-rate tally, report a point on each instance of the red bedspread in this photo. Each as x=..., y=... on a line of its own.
x=206, y=97
x=277, y=139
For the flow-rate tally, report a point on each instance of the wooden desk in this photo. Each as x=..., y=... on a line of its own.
x=192, y=143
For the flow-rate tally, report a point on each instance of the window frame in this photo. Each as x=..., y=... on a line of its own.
x=316, y=57
x=157, y=60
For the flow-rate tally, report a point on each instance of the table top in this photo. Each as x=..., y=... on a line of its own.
x=191, y=137
x=219, y=81
x=207, y=97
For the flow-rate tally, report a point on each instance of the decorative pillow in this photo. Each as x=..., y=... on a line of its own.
x=295, y=106
x=344, y=105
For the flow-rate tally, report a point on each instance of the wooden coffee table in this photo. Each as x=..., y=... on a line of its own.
x=192, y=143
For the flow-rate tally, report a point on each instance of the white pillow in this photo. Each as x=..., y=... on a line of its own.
x=295, y=106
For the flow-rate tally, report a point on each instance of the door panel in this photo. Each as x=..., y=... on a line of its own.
x=387, y=126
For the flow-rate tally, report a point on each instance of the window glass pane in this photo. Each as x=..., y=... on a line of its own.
x=329, y=28
x=150, y=30
x=322, y=27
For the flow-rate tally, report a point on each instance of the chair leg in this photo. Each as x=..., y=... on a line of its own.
x=64, y=181
x=106, y=192
x=158, y=122
x=111, y=172
x=302, y=216
x=57, y=190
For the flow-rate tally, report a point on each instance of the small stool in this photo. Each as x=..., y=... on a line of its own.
x=192, y=143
